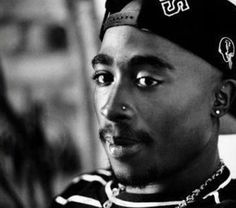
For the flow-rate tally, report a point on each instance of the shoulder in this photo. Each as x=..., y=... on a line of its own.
x=86, y=190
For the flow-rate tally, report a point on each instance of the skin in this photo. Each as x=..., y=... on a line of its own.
x=170, y=101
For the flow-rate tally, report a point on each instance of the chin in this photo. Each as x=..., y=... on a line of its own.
x=137, y=176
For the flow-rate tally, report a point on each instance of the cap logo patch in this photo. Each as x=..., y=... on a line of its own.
x=173, y=7
x=227, y=50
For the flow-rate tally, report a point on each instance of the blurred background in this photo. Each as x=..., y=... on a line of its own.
x=47, y=124
x=48, y=130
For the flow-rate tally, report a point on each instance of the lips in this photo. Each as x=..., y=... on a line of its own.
x=122, y=141
x=122, y=147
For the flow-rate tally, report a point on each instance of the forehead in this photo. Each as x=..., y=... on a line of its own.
x=119, y=39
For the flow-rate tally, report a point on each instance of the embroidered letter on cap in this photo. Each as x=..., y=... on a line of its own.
x=227, y=50
x=173, y=7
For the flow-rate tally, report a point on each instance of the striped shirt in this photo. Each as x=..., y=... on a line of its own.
x=97, y=189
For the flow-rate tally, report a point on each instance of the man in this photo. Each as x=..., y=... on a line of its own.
x=165, y=75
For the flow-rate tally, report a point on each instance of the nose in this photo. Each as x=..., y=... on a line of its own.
x=118, y=105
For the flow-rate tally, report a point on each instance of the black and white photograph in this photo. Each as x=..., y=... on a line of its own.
x=117, y=103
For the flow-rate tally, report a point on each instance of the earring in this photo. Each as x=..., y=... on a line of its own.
x=218, y=112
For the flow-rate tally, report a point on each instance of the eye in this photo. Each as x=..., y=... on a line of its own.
x=103, y=78
x=146, y=82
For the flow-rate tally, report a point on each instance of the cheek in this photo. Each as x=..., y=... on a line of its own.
x=175, y=131
x=101, y=96
x=102, y=100
x=99, y=102
x=172, y=115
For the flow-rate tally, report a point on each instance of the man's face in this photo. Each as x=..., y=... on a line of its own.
x=153, y=101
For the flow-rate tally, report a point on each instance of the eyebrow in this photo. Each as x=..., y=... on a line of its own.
x=136, y=60
x=150, y=60
x=102, y=59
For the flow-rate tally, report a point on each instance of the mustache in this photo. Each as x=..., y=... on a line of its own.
x=124, y=131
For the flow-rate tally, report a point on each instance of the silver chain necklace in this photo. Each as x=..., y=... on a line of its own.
x=195, y=193
x=191, y=198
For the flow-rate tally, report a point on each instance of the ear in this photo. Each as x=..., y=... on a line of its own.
x=224, y=97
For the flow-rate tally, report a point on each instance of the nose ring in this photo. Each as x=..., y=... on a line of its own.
x=123, y=107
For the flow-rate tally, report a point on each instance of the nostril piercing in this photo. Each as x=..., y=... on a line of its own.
x=123, y=108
